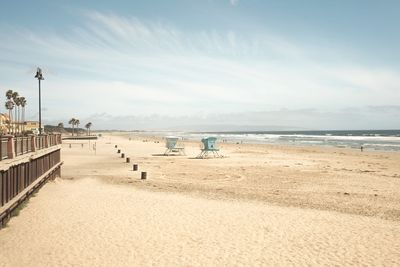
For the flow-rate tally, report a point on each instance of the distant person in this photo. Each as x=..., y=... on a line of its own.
x=362, y=148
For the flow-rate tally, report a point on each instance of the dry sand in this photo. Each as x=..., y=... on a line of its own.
x=263, y=205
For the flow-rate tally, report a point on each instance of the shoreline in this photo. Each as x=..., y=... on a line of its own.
x=184, y=137
x=287, y=146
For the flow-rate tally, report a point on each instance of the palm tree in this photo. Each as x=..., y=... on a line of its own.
x=87, y=126
x=77, y=122
x=9, y=94
x=72, y=122
x=9, y=106
x=18, y=102
x=15, y=96
x=60, y=126
x=23, y=104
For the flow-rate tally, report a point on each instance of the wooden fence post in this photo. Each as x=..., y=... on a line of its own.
x=46, y=141
x=10, y=147
x=33, y=143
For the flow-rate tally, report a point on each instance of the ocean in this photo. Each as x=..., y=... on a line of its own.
x=387, y=140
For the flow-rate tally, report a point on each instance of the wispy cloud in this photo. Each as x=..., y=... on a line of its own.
x=127, y=65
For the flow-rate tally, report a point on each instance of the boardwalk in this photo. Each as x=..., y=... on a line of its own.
x=27, y=162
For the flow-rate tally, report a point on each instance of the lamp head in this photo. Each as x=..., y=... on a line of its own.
x=39, y=74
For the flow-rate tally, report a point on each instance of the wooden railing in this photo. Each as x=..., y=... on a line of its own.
x=3, y=148
x=23, y=145
x=19, y=181
x=40, y=142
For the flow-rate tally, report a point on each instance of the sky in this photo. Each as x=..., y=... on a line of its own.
x=206, y=65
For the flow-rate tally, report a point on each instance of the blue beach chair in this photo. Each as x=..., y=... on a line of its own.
x=209, y=145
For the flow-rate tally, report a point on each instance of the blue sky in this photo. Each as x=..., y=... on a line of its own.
x=188, y=64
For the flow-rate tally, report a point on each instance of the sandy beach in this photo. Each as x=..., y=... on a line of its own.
x=259, y=205
x=301, y=97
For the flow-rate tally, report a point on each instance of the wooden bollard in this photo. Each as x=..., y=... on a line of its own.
x=128, y=160
x=122, y=155
x=119, y=151
x=143, y=176
x=135, y=167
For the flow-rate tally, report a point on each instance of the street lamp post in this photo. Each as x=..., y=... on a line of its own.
x=39, y=76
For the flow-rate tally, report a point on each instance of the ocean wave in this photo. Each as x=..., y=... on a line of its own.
x=366, y=140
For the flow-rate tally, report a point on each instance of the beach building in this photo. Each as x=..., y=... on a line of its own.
x=31, y=126
x=7, y=126
x=4, y=119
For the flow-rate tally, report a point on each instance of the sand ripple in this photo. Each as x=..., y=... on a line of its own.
x=91, y=223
